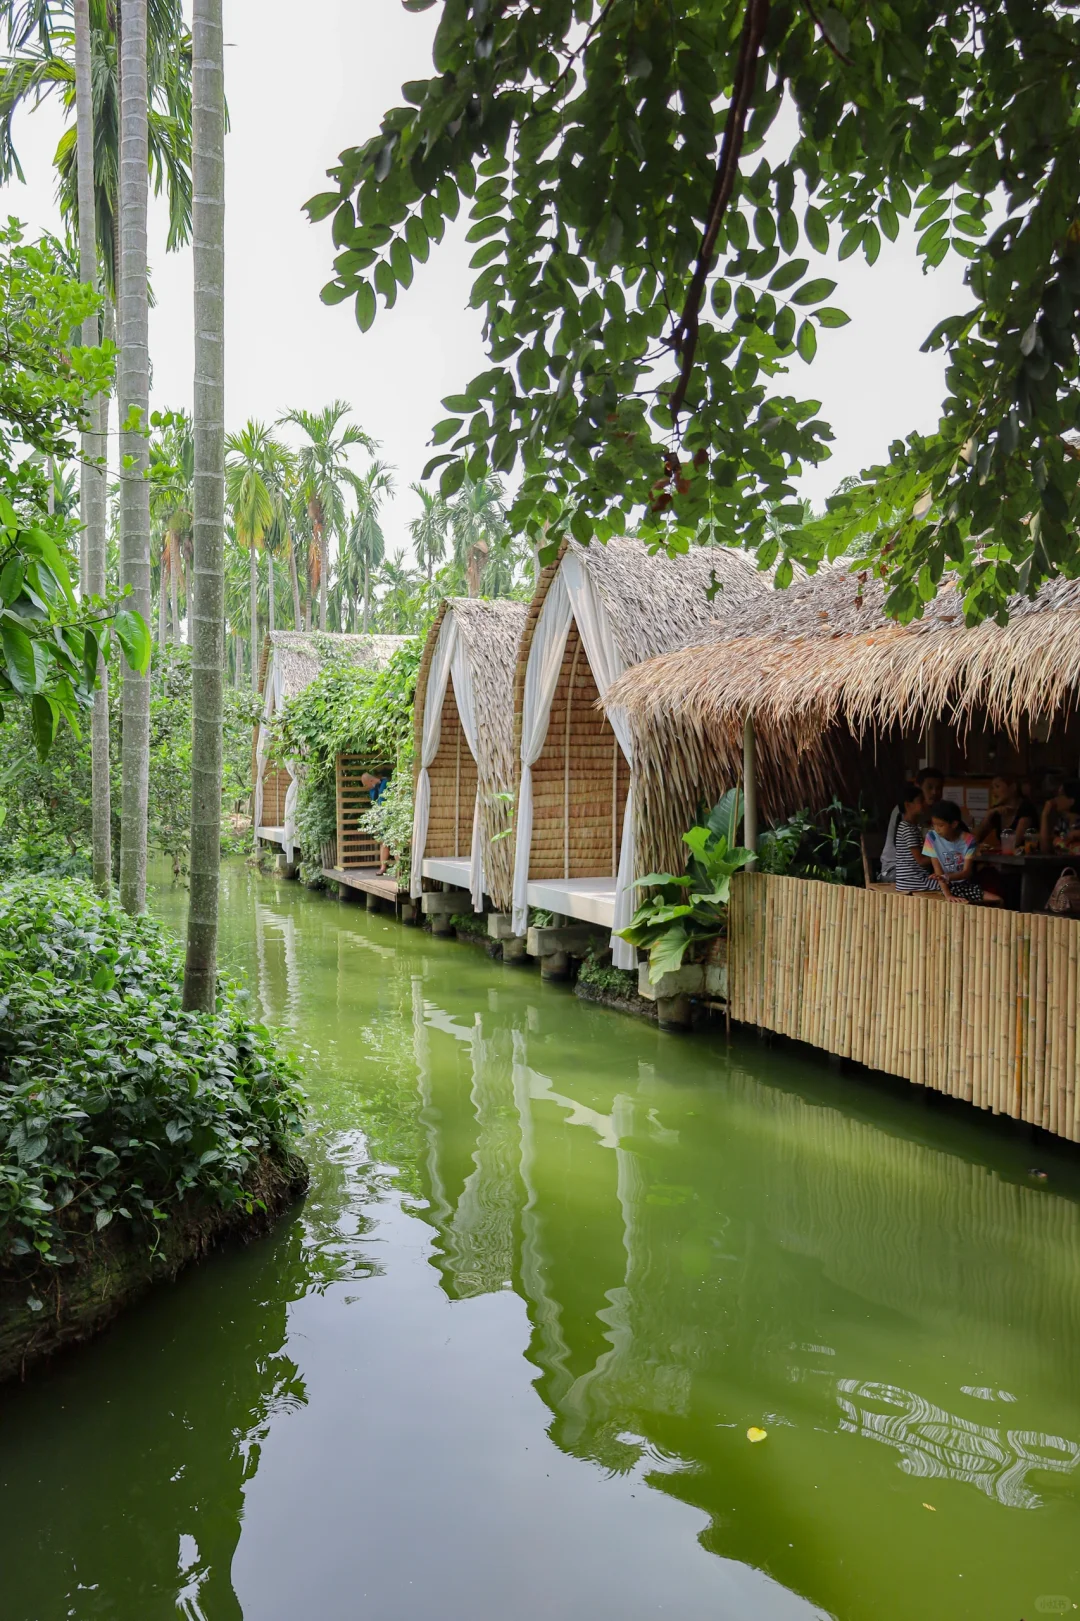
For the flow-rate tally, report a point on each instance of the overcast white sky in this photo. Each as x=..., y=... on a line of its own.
x=298, y=96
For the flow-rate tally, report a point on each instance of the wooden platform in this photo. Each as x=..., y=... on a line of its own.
x=366, y=879
x=588, y=900
x=271, y=835
x=446, y=870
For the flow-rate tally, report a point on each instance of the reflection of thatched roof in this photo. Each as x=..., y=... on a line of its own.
x=301, y=654
x=822, y=656
x=490, y=632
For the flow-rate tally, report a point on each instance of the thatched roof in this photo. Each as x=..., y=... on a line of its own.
x=490, y=632
x=822, y=659
x=299, y=655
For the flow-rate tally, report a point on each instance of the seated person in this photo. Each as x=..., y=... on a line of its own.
x=1009, y=817
x=1059, y=826
x=376, y=787
x=930, y=783
x=950, y=848
x=908, y=836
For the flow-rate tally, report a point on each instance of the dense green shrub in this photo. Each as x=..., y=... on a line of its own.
x=114, y=1102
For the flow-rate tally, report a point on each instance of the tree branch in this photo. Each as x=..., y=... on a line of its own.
x=685, y=335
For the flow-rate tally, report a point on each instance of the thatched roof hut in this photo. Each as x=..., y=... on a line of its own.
x=821, y=662
x=464, y=719
x=291, y=659
x=597, y=611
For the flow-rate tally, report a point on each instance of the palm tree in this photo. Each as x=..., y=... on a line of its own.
x=171, y=509
x=477, y=523
x=397, y=606
x=256, y=471
x=365, y=544
x=428, y=531
x=324, y=473
x=34, y=71
x=208, y=646
x=133, y=395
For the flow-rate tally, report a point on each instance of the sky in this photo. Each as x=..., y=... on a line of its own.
x=297, y=97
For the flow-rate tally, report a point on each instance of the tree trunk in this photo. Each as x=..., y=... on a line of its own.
x=174, y=586
x=93, y=476
x=253, y=593
x=324, y=571
x=475, y=565
x=206, y=612
x=298, y=621
x=134, y=397
x=367, y=596
x=270, y=589
x=163, y=597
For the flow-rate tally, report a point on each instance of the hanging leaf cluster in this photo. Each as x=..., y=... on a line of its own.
x=650, y=188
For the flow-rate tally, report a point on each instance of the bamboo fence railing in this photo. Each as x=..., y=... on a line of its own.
x=973, y=1002
x=355, y=848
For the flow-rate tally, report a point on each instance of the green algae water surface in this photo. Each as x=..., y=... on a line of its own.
x=553, y=1267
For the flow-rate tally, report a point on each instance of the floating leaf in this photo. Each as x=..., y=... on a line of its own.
x=754, y=1434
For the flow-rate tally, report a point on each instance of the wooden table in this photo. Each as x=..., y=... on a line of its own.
x=1032, y=864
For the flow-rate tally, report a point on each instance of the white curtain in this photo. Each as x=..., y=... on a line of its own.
x=271, y=704
x=541, y=678
x=449, y=661
x=607, y=666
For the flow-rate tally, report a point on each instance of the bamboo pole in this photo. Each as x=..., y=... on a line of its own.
x=1071, y=1056
x=1042, y=1045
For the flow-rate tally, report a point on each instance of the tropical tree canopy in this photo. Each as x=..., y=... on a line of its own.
x=649, y=264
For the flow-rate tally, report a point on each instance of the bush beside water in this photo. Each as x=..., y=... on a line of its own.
x=121, y=1115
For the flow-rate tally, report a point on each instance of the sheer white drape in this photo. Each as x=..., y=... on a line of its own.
x=449, y=661
x=607, y=666
x=541, y=678
x=271, y=704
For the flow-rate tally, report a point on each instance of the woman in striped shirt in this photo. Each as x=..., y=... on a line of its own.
x=908, y=839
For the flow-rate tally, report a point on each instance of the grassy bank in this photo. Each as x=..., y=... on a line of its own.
x=133, y=1135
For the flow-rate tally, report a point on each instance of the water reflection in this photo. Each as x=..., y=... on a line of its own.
x=695, y=1263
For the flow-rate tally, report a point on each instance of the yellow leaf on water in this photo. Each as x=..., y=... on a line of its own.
x=754, y=1434
x=931, y=1507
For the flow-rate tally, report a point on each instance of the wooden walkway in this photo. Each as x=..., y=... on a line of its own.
x=368, y=880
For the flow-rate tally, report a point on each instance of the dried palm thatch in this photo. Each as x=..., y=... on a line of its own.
x=490, y=632
x=820, y=660
x=299, y=655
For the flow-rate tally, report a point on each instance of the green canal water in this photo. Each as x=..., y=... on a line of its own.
x=553, y=1266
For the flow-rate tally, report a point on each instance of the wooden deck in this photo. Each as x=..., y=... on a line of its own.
x=368, y=880
x=587, y=900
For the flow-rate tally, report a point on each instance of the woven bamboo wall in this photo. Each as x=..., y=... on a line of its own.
x=276, y=782
x=971, y=1001
x=452, y=774
x=354, y=848
x=577, y=813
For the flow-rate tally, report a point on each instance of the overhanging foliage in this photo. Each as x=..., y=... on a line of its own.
x=615, y=163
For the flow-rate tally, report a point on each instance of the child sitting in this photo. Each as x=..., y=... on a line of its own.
x=951, y=849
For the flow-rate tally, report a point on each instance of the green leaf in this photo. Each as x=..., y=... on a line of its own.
x=365, y=305
x=836, y=29
x=446, y=429
x=134, y=638
x=812, y=292
x=401, y=262
x=668, y=952
x=452, y=479
x=23, y=667
x=788, y=274
x=806, y=343
x=850, y=242
x=816, y=227
x=320, y=207
x=42, y=723
x=831, y=316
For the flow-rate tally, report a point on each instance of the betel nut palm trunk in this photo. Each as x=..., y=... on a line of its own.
x=208, y=594
x=134, y=398
x=93, y=471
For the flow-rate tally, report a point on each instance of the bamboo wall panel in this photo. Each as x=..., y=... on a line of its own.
x=354, y=847
x=580, y=781
x=276, y=782
x=453, y=778
x=969, y=1001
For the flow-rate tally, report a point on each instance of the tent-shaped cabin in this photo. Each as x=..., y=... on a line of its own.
x=824, y=695
x=597, y=611
x=465, y=749
x=290, y=662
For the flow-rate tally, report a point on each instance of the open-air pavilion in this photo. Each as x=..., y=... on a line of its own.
x=826, y=695
x=464, y=750
x=597, y=611
x=290, y=662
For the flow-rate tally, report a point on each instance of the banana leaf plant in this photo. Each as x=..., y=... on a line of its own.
x=692, y=906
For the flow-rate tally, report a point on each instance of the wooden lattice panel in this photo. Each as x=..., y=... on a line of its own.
x=276, y=781
x=453, y=777
x=580, y=781
x=355, y=848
